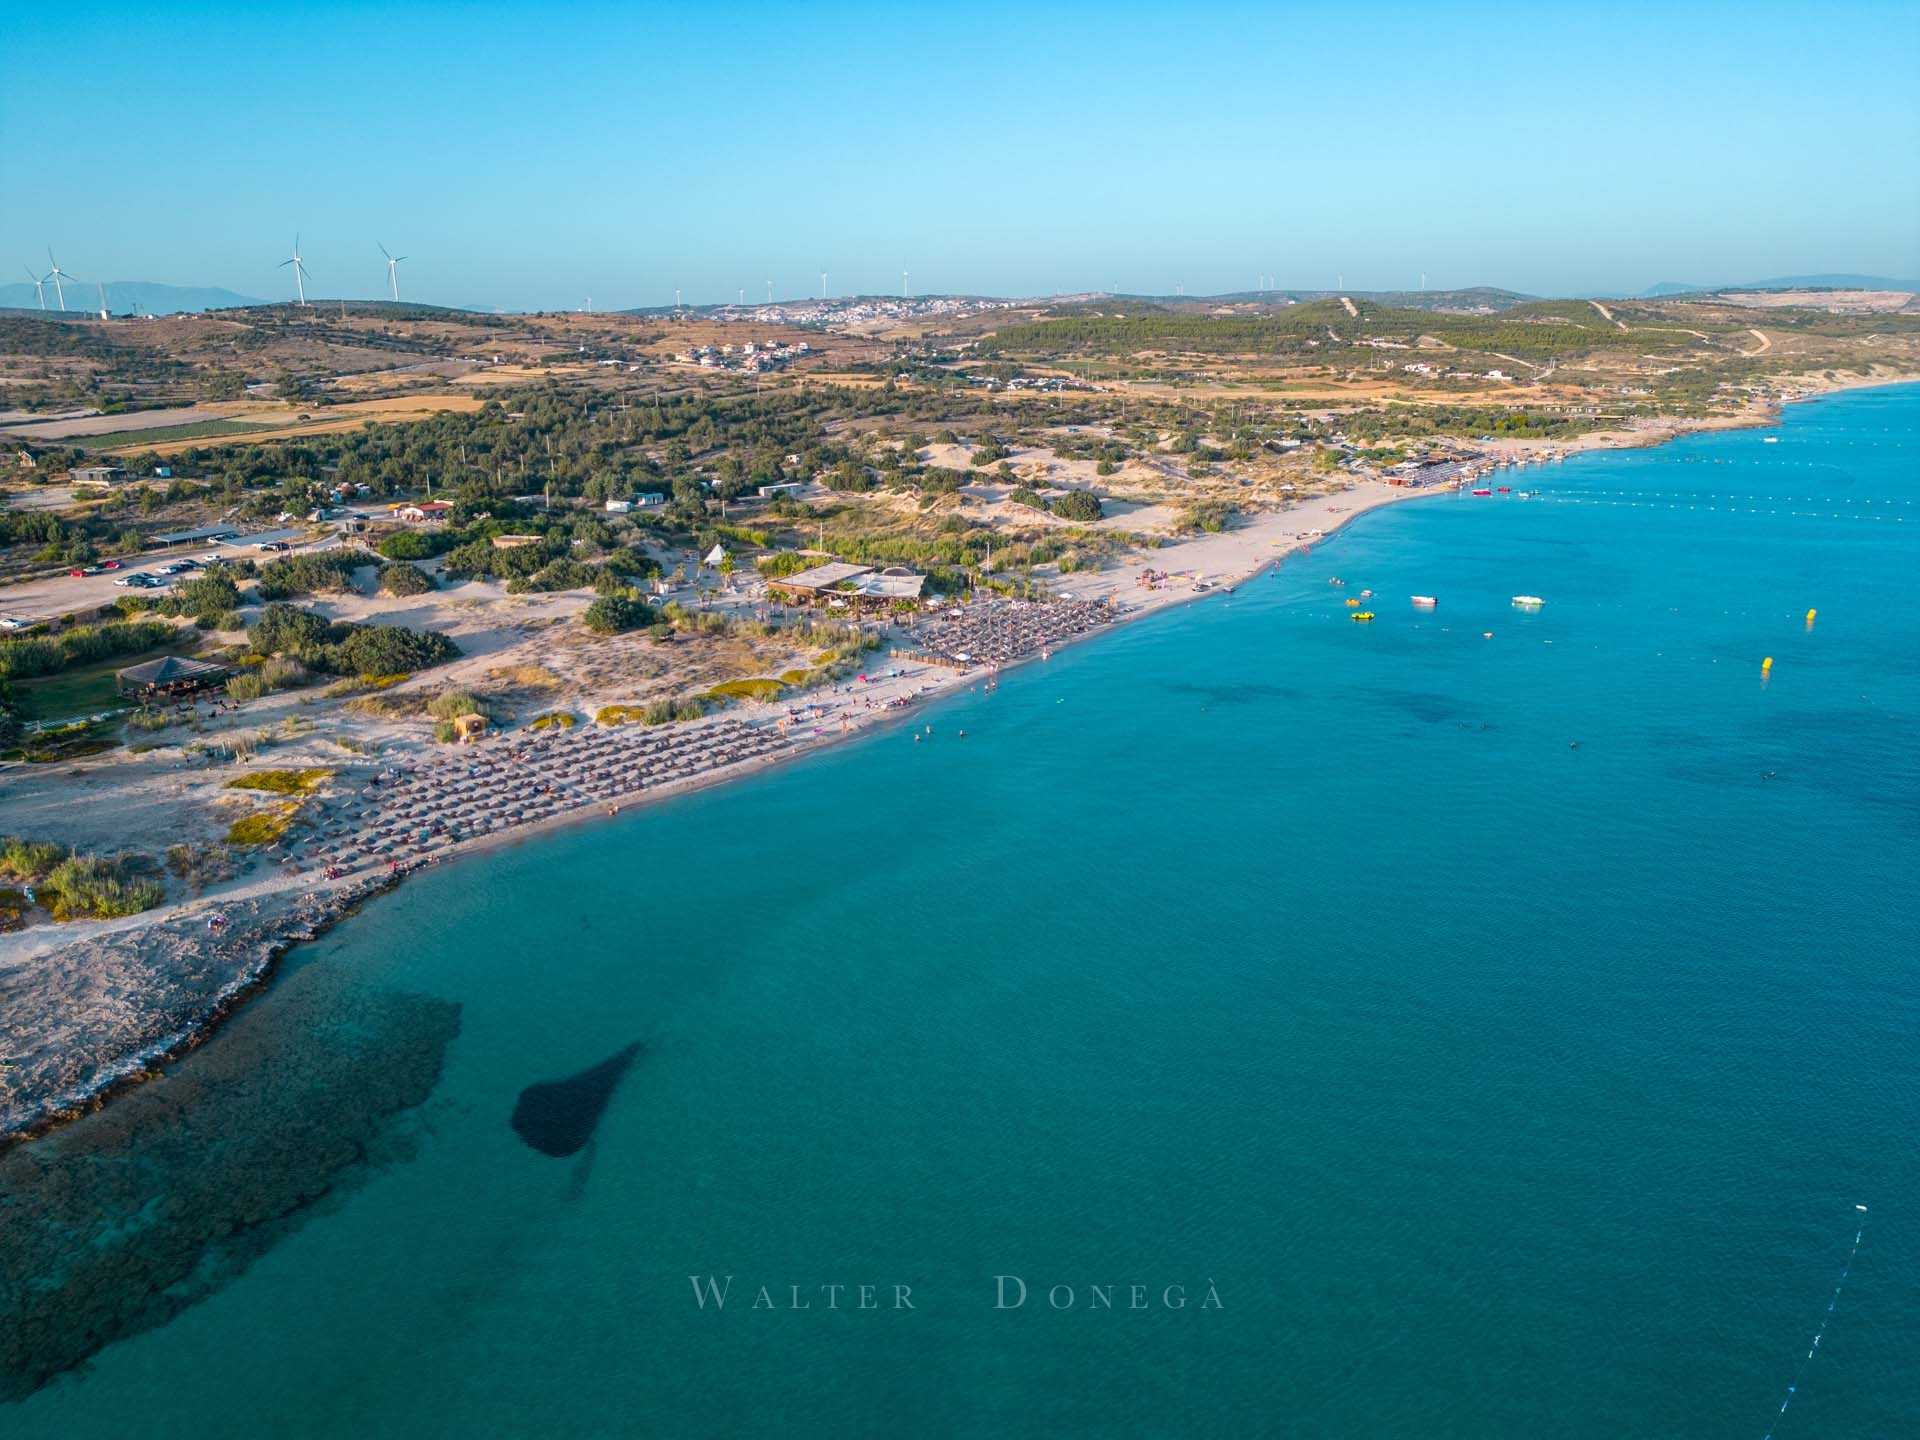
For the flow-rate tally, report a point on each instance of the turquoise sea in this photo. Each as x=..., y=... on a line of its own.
x=1506, y=1026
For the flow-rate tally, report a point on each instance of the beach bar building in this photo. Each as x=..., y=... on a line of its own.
x=839, y=584
x=169, y=676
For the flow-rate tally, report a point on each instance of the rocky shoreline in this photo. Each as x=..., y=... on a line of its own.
x=205, y=968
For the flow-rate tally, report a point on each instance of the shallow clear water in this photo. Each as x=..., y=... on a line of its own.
x=1502, y=1086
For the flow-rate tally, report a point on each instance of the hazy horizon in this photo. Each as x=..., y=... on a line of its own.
x=628, y=153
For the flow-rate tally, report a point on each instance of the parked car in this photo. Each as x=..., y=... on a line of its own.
x=273, y=545
x=109, y=564
x=8, y=622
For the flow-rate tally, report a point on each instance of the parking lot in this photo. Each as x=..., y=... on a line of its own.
x=33, y=601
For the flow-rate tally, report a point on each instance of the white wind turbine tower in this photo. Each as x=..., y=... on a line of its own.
x=299, y=271
x=903, y=284
x=39, y=285
x=769, y=292
x=393, y=270
x=57, y=275
x=823, y=284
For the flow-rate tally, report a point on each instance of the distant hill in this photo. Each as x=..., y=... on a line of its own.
x=1479, y=298
x=149, y=297
x=1828, y=282
x=1785, y=282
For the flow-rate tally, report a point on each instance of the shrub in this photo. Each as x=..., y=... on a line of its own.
x=613, y=614
x=283, y=672
x=401, y=578
x=562, y=574
x=79, y=645
x=1208, y=516
x=476, y=557
x=452, y=704
x=289, y=630
x=390, y=649
x=411, y=545
x=84, y=887
x=747, y=690
x=242, y=688
x=29, y=859
x=210, y=594
x=667, y=712
x=321, y=572
x=1082, y=505
x=263, y=827
x=782, y=563
x=554, y=720
x=281, y=782
x=148, y=718
x=627, y=561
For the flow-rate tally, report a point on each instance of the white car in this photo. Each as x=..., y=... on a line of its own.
x=7, y=622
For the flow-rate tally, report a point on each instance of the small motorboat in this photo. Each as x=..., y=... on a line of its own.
x=1482, y=490
x=1361, y=615
x=1425, y=602
x=1528, y=602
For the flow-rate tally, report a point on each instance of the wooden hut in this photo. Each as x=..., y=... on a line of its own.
x=169, y=676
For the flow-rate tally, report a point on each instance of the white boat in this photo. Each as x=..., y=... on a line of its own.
x=1771, y=440
x=1528, y=602
x=1425, y=602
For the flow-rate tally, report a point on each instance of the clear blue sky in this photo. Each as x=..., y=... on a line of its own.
x=532, y=155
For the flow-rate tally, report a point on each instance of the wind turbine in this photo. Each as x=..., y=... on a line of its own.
x=903, y=284
x=57, y=275
x=769, y=292
x=299, y=270
x=393, y=270
x=823, y=284
x=39, y=285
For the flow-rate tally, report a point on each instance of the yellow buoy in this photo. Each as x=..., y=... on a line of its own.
x=1810, y=616
x=1766, y=665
